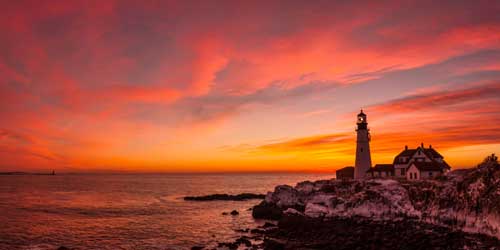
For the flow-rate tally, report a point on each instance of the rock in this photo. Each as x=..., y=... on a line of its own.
x=243, y=241
x=293, y=211
x=271, y=244
x=234, y=212
x=246, y=230
x=230, y=245
x=305, y=187
x=197, y=248
x=224, y=213
x=284, y=196
x=268, y=225
x=303, y=232
x=257, y=231
x=225, y=197
x=267, y=211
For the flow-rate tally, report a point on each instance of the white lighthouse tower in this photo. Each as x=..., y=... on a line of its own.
x=363, y=157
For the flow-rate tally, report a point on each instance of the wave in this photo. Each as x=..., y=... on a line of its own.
x=98, y=211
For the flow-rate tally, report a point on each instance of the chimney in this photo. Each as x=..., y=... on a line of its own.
x=422, y=145
x=430, y=146
x=406, y=147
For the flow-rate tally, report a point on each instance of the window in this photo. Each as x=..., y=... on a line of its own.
x=430, y=174
x=361, y=149
x=413, y=176
x=403, y=172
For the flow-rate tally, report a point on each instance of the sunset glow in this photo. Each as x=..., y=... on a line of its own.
x=167, y=86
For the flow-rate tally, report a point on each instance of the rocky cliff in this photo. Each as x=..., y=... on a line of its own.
x=468, y=200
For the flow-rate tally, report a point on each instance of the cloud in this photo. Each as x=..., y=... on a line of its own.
x=482, y=93
x=308, y=143
x=7, y=135
x=72, y=71
x=215, y=106
x=18, y=149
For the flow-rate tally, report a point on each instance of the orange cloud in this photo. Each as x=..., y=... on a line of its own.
x=119, y=83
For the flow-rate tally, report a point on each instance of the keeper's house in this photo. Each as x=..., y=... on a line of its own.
x=412, y=164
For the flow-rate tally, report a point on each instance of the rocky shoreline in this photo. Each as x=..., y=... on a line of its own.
x=457, y=211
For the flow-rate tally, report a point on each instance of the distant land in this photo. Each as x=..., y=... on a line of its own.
x=26, y=173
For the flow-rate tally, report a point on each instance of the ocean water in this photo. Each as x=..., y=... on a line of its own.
x=127, y=211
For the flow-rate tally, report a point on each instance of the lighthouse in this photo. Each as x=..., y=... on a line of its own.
x=363, y=158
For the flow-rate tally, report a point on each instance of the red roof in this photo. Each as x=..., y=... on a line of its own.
x=430, y=166
x=433, y=152
x=429, y=152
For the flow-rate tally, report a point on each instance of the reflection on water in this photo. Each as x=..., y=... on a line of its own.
x=127, y=211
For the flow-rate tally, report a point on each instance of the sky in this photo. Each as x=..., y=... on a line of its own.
x=201, y=86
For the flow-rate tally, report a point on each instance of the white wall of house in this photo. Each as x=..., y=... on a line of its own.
x=400, y=170
x=413, y=173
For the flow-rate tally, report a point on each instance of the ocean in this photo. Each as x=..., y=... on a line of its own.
x=128, y=211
